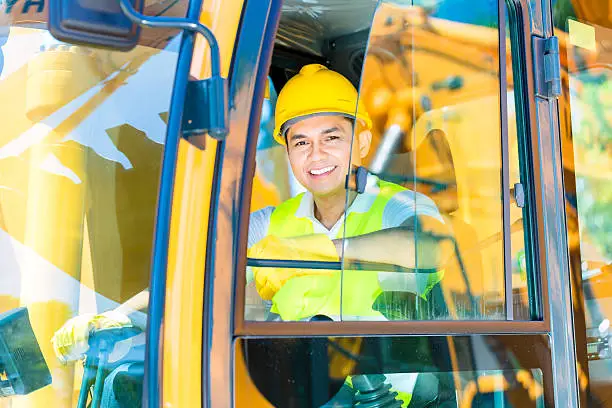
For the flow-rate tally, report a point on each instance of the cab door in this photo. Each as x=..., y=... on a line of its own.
x=457, y=117
x=102, y=198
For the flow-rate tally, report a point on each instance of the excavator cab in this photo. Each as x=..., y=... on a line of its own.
x=137, y=143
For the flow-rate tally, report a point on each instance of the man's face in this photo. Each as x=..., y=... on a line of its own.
x=319, y=149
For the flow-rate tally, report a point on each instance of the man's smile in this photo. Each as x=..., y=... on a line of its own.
x=321, y=171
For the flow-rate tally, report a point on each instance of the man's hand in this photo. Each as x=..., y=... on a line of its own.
x=70, y=342
x=316, y=247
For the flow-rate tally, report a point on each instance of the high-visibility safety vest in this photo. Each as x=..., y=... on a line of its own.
x=356, y=289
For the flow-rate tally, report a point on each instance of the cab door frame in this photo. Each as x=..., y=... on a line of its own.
x=547, y=150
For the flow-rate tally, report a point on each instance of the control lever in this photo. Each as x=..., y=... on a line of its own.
x=371, y=391
x=101, y=344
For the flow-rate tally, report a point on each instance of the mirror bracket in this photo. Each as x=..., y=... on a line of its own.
x=202, y=113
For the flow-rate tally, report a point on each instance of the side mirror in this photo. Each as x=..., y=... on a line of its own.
x=22, y=365
x=99, y=23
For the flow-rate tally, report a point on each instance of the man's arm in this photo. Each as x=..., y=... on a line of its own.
x=135, y=308
x=259, y=222
x=71, y=343
x=421, y=243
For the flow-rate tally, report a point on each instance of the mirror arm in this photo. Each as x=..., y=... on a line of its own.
x=199, y=118
x=178, y=23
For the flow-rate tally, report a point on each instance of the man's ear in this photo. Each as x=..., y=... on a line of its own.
x=365, y=141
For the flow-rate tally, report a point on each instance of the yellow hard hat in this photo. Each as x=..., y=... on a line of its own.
x=316, y=90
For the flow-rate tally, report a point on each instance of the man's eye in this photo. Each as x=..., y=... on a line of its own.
x=300, y=143
x=333, y=137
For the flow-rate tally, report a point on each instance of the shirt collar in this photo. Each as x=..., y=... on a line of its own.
x=361, y=204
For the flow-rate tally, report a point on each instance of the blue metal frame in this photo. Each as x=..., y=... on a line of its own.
x=157, y=286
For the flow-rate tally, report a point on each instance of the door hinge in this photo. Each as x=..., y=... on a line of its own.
x=547, y=67
x=204, y=111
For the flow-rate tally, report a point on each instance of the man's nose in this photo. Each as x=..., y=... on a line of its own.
x=317, y=151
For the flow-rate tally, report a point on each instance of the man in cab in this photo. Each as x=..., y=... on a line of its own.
x=327, y=136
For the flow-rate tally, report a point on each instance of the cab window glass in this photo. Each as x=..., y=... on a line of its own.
x=430, y=228
x=385, y=371
x=80, y=156
x=431, y=82
x=585, y=33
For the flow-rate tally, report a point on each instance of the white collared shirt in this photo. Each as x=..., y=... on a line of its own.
x=399, y=208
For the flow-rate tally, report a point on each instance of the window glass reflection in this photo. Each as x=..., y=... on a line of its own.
x=80, y=156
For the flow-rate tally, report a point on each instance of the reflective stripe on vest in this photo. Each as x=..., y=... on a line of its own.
x=360, y=288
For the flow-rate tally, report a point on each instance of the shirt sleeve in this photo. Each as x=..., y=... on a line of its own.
x=258, y=225
x=407, y=204
x=258, y=228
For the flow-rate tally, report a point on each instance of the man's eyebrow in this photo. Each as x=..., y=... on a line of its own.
x=331, y=130
x=297, y=136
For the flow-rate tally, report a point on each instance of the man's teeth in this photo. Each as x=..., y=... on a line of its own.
x=318, y=172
